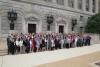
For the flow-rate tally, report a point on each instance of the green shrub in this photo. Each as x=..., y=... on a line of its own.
x=93, y=24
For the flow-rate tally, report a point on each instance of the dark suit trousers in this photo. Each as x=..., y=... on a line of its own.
x=67, y=45
x=9, y=49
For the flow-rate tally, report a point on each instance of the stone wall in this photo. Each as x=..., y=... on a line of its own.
x=95, y=38
x=41, y=11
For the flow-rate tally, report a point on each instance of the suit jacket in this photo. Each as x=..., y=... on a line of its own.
x=28, y=42
x=8, y=42
x=56, y=41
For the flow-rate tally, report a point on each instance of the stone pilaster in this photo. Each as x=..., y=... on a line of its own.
x=0, y=30
x=96, y=6
x=90, y=5
x=54, y=1
x=75, y=4
x=83, y=5
x=66, y=3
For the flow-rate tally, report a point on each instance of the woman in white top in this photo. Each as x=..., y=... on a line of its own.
x=62, y=43
x=21, y=45
x=76, y=41
x=53, y=44
x=17, y=46
x=30, y=45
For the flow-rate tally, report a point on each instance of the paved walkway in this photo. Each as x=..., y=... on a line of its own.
x=35, y=59
x=80, y=61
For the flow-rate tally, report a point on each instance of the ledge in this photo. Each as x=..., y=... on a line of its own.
x=53, y=5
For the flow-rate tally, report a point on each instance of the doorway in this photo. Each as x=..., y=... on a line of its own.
x=32, y=28
x=61, y=29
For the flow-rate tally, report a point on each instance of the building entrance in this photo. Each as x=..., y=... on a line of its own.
x=32, y=28
x=61, y=29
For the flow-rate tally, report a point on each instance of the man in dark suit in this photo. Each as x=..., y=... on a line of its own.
x=28, y=45
x=88, y=40
x=9, y=44
x=56, y=42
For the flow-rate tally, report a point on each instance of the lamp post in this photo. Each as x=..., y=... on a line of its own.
x=50, y=20
x=74, y=22
x=12, y=16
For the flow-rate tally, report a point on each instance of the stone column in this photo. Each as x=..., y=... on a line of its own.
x=75, y=4
x=0, y=31
x=84, y=5
x=54, y=1
x=24, y=26
x=66, y=3
x=96, y=6
x=90, y=5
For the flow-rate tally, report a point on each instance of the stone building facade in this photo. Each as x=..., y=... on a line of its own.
x=99, y=6
x=35, y=12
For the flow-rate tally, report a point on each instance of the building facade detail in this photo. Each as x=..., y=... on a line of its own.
x=35, y=12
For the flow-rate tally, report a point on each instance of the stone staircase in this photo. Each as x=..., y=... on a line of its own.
x=3, y=52
x=3, y=48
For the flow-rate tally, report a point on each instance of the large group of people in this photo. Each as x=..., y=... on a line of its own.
x=38, y=42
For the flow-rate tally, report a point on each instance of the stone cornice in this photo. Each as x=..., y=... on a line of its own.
x=53, y=5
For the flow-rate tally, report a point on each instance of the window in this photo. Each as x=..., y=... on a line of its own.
x=71, y=3
x=93, y=2
x=87, y=1
x=81, y=18
x=87, y=5
x=80, y=4
x=11, y=26
x=48, y=0
x=60, y=2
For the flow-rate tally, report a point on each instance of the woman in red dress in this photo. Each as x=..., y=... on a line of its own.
x=33, y=44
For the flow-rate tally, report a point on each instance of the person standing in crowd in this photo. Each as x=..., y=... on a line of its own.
x=12, y=46
x=57, y=43
x=37, y=44
x=84, y=40
x=71, y=42
x=28, y=45
x=9, y=44
x=21, y=45
x=30, y=40
x=75, y=41
x=53, y=45
x=67, y=42
x=49, y=43
x=43, y=44
x=62, y=43
x=17, y=46
x=81, y=41
x=88, y=40
x=33, y=43
x=24, y=45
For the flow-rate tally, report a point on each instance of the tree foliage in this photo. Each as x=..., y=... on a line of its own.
x=93, y=24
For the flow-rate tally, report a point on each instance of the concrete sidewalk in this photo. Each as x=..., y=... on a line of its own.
x=35, y=59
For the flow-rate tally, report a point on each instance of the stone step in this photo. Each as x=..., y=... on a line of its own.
x=3, y=52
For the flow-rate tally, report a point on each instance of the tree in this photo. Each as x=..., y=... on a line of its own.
x=93, y=24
